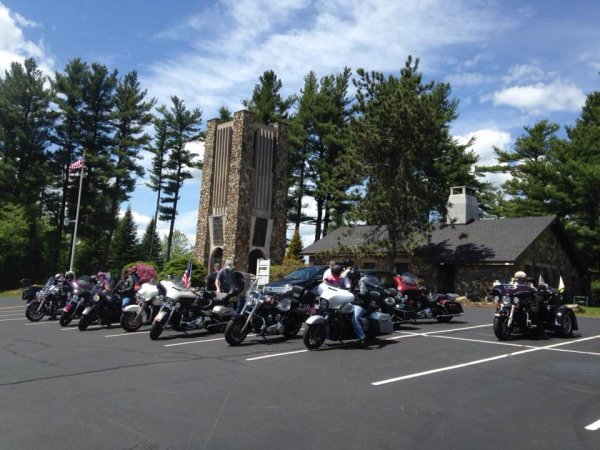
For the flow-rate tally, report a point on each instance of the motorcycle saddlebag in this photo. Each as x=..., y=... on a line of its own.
x=381, y=323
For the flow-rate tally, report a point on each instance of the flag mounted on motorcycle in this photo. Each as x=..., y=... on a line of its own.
x=186, y=279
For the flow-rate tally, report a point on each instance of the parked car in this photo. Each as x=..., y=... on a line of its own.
x=310, y=276
x=307, y=277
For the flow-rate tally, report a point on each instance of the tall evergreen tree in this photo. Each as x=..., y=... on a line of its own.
x=224, y=115
x=183, y=126
x=402, y=132
x=266, y=103
x=125, y=247
x=131, y=116
x=150, y=246
x=294, y=249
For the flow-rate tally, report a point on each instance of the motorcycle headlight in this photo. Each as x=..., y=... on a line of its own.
x=169, y=302
x=75, y=297
x=506, y=300
x=250, y=301
x=390, y=301
x=96, y=297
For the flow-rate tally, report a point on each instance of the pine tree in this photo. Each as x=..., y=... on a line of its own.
x=224, y=115
x=183, y=126
x=150, y=246
x=266, y=103
x=294, y=249
x=125, y=247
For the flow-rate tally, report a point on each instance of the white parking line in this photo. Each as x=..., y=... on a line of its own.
x=131, y=333
x=273, y=355
x=593, y=426
x=480, y=361
x=19, y=318
x=195, y=342
x=50, y=322
x=9, y=315
x=69, y=329
x=450, y=330
x=12, y=307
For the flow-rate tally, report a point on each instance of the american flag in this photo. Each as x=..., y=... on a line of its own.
x=76, y=165
x=186, y=279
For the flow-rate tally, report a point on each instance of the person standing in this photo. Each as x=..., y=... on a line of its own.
x=212, y=278
x=224, y=278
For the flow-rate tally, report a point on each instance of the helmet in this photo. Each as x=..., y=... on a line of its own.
x=58, y=276
x=101, y=274
x=70, y=275
x=337, y=270
x=348, y=262
x=353, y=275
x=520, y=274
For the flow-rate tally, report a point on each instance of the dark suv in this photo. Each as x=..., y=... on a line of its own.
x=307, y=277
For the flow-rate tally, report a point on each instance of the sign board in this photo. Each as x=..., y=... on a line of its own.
x=263, y=267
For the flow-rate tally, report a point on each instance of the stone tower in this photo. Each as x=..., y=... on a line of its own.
x=462, y=205
x=242, y=214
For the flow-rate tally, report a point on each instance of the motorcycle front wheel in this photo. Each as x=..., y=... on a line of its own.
x=234, y=332
x=131, y=321
x=84, y=322
x=34, y=312
x=314, y=336
x=66, y=318
x=501, y=328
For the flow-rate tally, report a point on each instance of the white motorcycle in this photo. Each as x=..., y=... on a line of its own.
x=148, y=301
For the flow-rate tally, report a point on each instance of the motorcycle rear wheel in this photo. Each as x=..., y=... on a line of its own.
x=314, y=336
x=32, y=313
x=84, y=322
x=292, y=327
x=131, y=321
x=234, y=332
x=566, y=329
x=501, y=328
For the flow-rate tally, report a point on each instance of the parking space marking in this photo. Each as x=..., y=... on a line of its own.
x=18, y=318
x=130, y=333
x=12, y=307
x=593, y=426
x=194, y=342
x=9, y=315
x=411, y=333
x=68, y=328
x=51, y=322
x=273, y=355
x=479, y=361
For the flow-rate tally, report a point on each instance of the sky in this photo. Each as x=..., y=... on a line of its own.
x=510, y=63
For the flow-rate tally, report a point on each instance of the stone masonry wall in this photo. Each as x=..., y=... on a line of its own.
x=279, y=208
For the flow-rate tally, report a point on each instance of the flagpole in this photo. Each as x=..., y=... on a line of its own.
x=76, y=217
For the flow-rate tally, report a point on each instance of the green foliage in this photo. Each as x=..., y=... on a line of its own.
x=266, y=103
x=125, y=247
x=150, y=247
x=176, y=267
x=402, y=134
x=180, y=245
x=295, y=246
x=288, y=265
x=146, y=271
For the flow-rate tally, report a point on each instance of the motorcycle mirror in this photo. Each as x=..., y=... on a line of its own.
x=25, y=283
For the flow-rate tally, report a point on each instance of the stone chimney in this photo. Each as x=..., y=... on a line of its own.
x=462, y=206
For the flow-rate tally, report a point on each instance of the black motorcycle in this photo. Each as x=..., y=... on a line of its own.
x=103, y=307
x=520, y=309
x=81, y=295
x=49, y=300
x=269, y=315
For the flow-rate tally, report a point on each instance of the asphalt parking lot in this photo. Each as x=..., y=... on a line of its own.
x=429, y=385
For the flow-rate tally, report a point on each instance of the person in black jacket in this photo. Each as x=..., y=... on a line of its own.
x=360, y=303
x=212, y=278
x=126, y=287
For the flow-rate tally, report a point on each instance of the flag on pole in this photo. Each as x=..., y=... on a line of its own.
x=186, y=279
x=76, y=165
x=561, y=284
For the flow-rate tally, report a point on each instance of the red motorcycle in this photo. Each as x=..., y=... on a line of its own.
x=442, y=307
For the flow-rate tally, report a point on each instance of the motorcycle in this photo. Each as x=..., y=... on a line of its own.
x=82, y=291
x=269, y=315
x=148, y=302
x=48, y=301
x=184, y=309
x=523, y=308
x=103, y=307
x=442, y=307
x=334, y=318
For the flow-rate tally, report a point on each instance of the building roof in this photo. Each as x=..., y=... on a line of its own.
x=498, y=240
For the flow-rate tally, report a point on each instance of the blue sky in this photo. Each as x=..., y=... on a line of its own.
x=510, y=63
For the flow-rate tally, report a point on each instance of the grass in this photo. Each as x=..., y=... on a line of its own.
x=588, y=311
x=13, y=293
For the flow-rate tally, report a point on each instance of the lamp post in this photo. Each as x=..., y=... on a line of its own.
x=76, y=215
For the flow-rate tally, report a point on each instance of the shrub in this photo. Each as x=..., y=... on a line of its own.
x=144, y=270
x=177, y=266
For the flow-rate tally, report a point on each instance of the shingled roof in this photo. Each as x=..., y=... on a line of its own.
x=498, y=240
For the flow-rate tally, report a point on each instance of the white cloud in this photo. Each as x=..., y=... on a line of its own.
x=524, y=73
x=14, y=47
x=485, y=141
x=542, y=97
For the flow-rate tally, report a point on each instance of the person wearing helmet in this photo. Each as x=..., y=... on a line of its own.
x=336, y=279
x=348, y=264
x=360, y=304
x=520, y=278
x=126, y=287
x=102, y=281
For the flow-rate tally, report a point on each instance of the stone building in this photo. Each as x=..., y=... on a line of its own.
x=242, y=214
x=466, y=254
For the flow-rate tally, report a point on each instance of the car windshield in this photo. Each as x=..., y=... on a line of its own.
x=305, y=273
